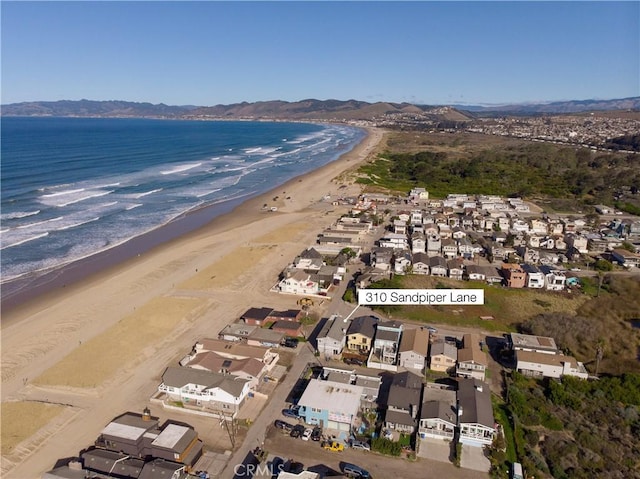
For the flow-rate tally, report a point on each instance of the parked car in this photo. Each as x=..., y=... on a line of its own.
x=360, y=445
x=307, y=434
x=432, y=330
x=316, y=435
x=354, y=361
x=276, y=466
x=293, y=413
x=297, y=430
x=285, y=426
x=351, y=470
x=290, y=343
x=333, y=446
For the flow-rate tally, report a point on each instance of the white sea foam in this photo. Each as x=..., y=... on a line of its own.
x=18, y=214
x=200, y=195
x=66, y=227
x=86, y=197
x=133, y=206
x=63, y=193
x=140, y=195
x=31, y=238
x=180, y=169
x=38, y=223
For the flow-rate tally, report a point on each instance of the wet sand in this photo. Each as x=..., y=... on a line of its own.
x=99, y=345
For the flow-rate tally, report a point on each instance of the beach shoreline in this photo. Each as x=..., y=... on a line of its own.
x=25, y=292
x=97, y=347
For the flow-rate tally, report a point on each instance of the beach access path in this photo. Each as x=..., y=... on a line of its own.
x=98, y=348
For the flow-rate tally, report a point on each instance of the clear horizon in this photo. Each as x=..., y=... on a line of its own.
x=210, y=53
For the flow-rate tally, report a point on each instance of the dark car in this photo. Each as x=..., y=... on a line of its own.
x=292, y=413
x=316, y=435
x=351, y=470
x=285, y=426
x=297, y=430
x=276, y=466
x=290, y=343
x=354, y=361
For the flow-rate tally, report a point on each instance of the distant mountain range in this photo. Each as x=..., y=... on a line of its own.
x=303, y=110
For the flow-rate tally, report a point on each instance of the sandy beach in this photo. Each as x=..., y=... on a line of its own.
x=96, y=348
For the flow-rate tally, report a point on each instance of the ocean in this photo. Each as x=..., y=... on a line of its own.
x=75, y=187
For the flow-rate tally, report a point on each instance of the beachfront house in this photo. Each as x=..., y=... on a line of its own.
x=214, y=393
x=299, y=282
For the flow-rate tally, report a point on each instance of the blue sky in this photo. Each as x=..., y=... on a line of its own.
x=208, y=53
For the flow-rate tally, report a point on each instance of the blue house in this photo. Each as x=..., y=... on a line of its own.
x=331, y=405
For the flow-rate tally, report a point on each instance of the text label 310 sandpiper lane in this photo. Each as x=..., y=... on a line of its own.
x=400, y=297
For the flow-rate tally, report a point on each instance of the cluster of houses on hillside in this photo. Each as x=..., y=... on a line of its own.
x=446, y=237
x=136, y=446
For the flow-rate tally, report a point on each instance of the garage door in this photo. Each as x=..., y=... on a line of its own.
x=340, y=426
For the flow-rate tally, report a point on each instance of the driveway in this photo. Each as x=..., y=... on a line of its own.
x=435, y=449
x=473, y=458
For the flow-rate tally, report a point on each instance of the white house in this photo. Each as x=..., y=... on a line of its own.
x=535, y=279
x=214, y=392
x=333, y=337
x=549, y=365
x=438, y=414
x=299, y=282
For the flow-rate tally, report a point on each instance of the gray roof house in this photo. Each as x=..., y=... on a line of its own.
x=475, y=413
x=215, y=393
x=403, y=405
x=438, y=414
x=333, y=337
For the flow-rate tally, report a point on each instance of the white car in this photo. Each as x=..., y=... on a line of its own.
x=360, y=445
x=307, y=434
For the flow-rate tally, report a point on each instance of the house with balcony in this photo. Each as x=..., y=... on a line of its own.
x=360, y=334
x=456, y=268
x=472, y=361
x=535, y=279
x=384, y=352
x=403, y=405
x=333, y=337
x=414, y=345
x=475, y=413
x=434, y=245
x=213, y=393
x=299, y=282
x=420, y=263
x=439, y=413
x=438, y=266
x=514, y=276
x=554, y=280
x=443, y=356
x=418, y=243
